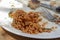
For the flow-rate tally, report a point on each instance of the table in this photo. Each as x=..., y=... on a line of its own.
x=5, y=35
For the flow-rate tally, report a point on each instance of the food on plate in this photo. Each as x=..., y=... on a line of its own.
x=28, y=22
x=58, y=19
x=33, y=4
x=53, y=3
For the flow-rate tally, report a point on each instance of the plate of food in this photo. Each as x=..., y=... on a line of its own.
x=26, y=22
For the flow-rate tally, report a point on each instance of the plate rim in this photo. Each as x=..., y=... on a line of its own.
x=7, y=29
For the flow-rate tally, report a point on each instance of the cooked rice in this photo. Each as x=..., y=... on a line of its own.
x=28, y=22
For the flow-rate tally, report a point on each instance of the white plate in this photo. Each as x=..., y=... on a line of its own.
x=5, y=22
